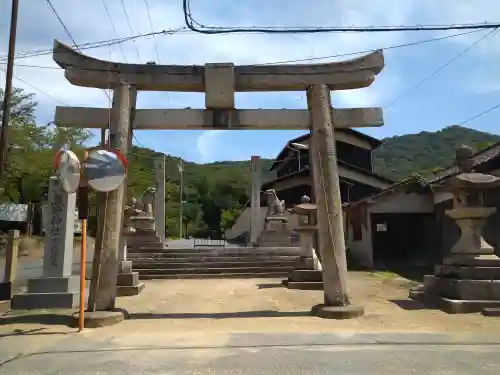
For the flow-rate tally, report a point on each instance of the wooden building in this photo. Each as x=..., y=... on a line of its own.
x=355, y=164
x=406, y=224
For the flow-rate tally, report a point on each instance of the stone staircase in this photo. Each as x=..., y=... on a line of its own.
x=213, y=262
x=282, y=238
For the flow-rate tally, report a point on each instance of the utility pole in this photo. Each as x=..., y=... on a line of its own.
x=8, y=87
x=181, y=202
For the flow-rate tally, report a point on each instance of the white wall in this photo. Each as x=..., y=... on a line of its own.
x=361, y=250
x=403, y=203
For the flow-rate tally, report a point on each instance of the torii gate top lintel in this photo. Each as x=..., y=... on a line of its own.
x=86, y=71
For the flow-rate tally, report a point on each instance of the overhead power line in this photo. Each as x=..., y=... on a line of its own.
x=113, y=26
x=442, y=67
x=479, y=114
x=69, y=34
x=98, y=44
x=309, y=59
x=156, y=46
x=196, y=26
x=130, y=28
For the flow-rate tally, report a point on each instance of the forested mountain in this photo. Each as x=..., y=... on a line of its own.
x=213, y=194
x=426, y=152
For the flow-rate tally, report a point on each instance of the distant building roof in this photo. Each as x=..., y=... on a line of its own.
x=305, y=171
x=374, y=142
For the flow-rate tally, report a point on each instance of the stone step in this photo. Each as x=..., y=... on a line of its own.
x=156, y=257
x=227, y=251
x=236, y=275
x=144, y=246
x=486, y=290
x=303, y=285
x=468, y=272
x=220, y=271
x=182, y=265
x=143, y=239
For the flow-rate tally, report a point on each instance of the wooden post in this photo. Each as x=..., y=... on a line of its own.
x=10, y=264
x=329, y=208
x=103, y=295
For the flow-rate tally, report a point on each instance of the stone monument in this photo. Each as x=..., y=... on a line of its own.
x=57, y=288
x=468, y=280
x=307, y=275
x=128, y=281
x=276, y=231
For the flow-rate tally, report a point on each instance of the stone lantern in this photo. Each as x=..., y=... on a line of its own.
x=307, y=274
x=469, y=278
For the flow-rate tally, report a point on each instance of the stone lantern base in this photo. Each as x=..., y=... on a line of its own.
x=468, y=281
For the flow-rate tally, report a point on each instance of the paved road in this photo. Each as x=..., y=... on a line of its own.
x=84, y=355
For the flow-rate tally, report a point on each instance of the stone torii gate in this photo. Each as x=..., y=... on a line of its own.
x=219, y=82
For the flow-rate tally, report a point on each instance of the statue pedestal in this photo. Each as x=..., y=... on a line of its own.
x=469, y=278
x=143, y=222
x=275, y=233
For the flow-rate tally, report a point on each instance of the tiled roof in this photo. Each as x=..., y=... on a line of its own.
x=374, y=142
x=479, y=158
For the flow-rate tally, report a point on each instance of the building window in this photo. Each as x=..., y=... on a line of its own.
x=357, y=232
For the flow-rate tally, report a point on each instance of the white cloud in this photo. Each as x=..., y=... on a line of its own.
x=87, y=21
x=207, y=145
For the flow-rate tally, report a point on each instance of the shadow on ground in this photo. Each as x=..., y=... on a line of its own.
x=46, y=319
x=270, y=285
x=411, y=273
x=412, y=305
x=228, y=315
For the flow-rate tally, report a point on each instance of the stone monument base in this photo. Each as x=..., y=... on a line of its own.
x=462, y=285
x=128, y=282
x=49, y=293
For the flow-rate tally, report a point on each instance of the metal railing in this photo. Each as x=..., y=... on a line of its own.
x=210, y=238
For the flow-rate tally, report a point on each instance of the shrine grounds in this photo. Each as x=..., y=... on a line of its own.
x=221, y=306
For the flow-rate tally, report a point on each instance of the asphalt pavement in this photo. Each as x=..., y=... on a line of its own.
x=252, y=355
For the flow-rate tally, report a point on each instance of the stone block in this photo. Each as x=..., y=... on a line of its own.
x=129, y=290
x=304, y=285
x=468, y=272
x=495, y=290
x=128, y=279
x=219, y=86
x=54, y=284
x=472, y=290
x=125, y=266
x=30, y=301
x=306, y=275
x=305, y=263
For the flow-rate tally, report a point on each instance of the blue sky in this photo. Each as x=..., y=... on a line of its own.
x=466, y=87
